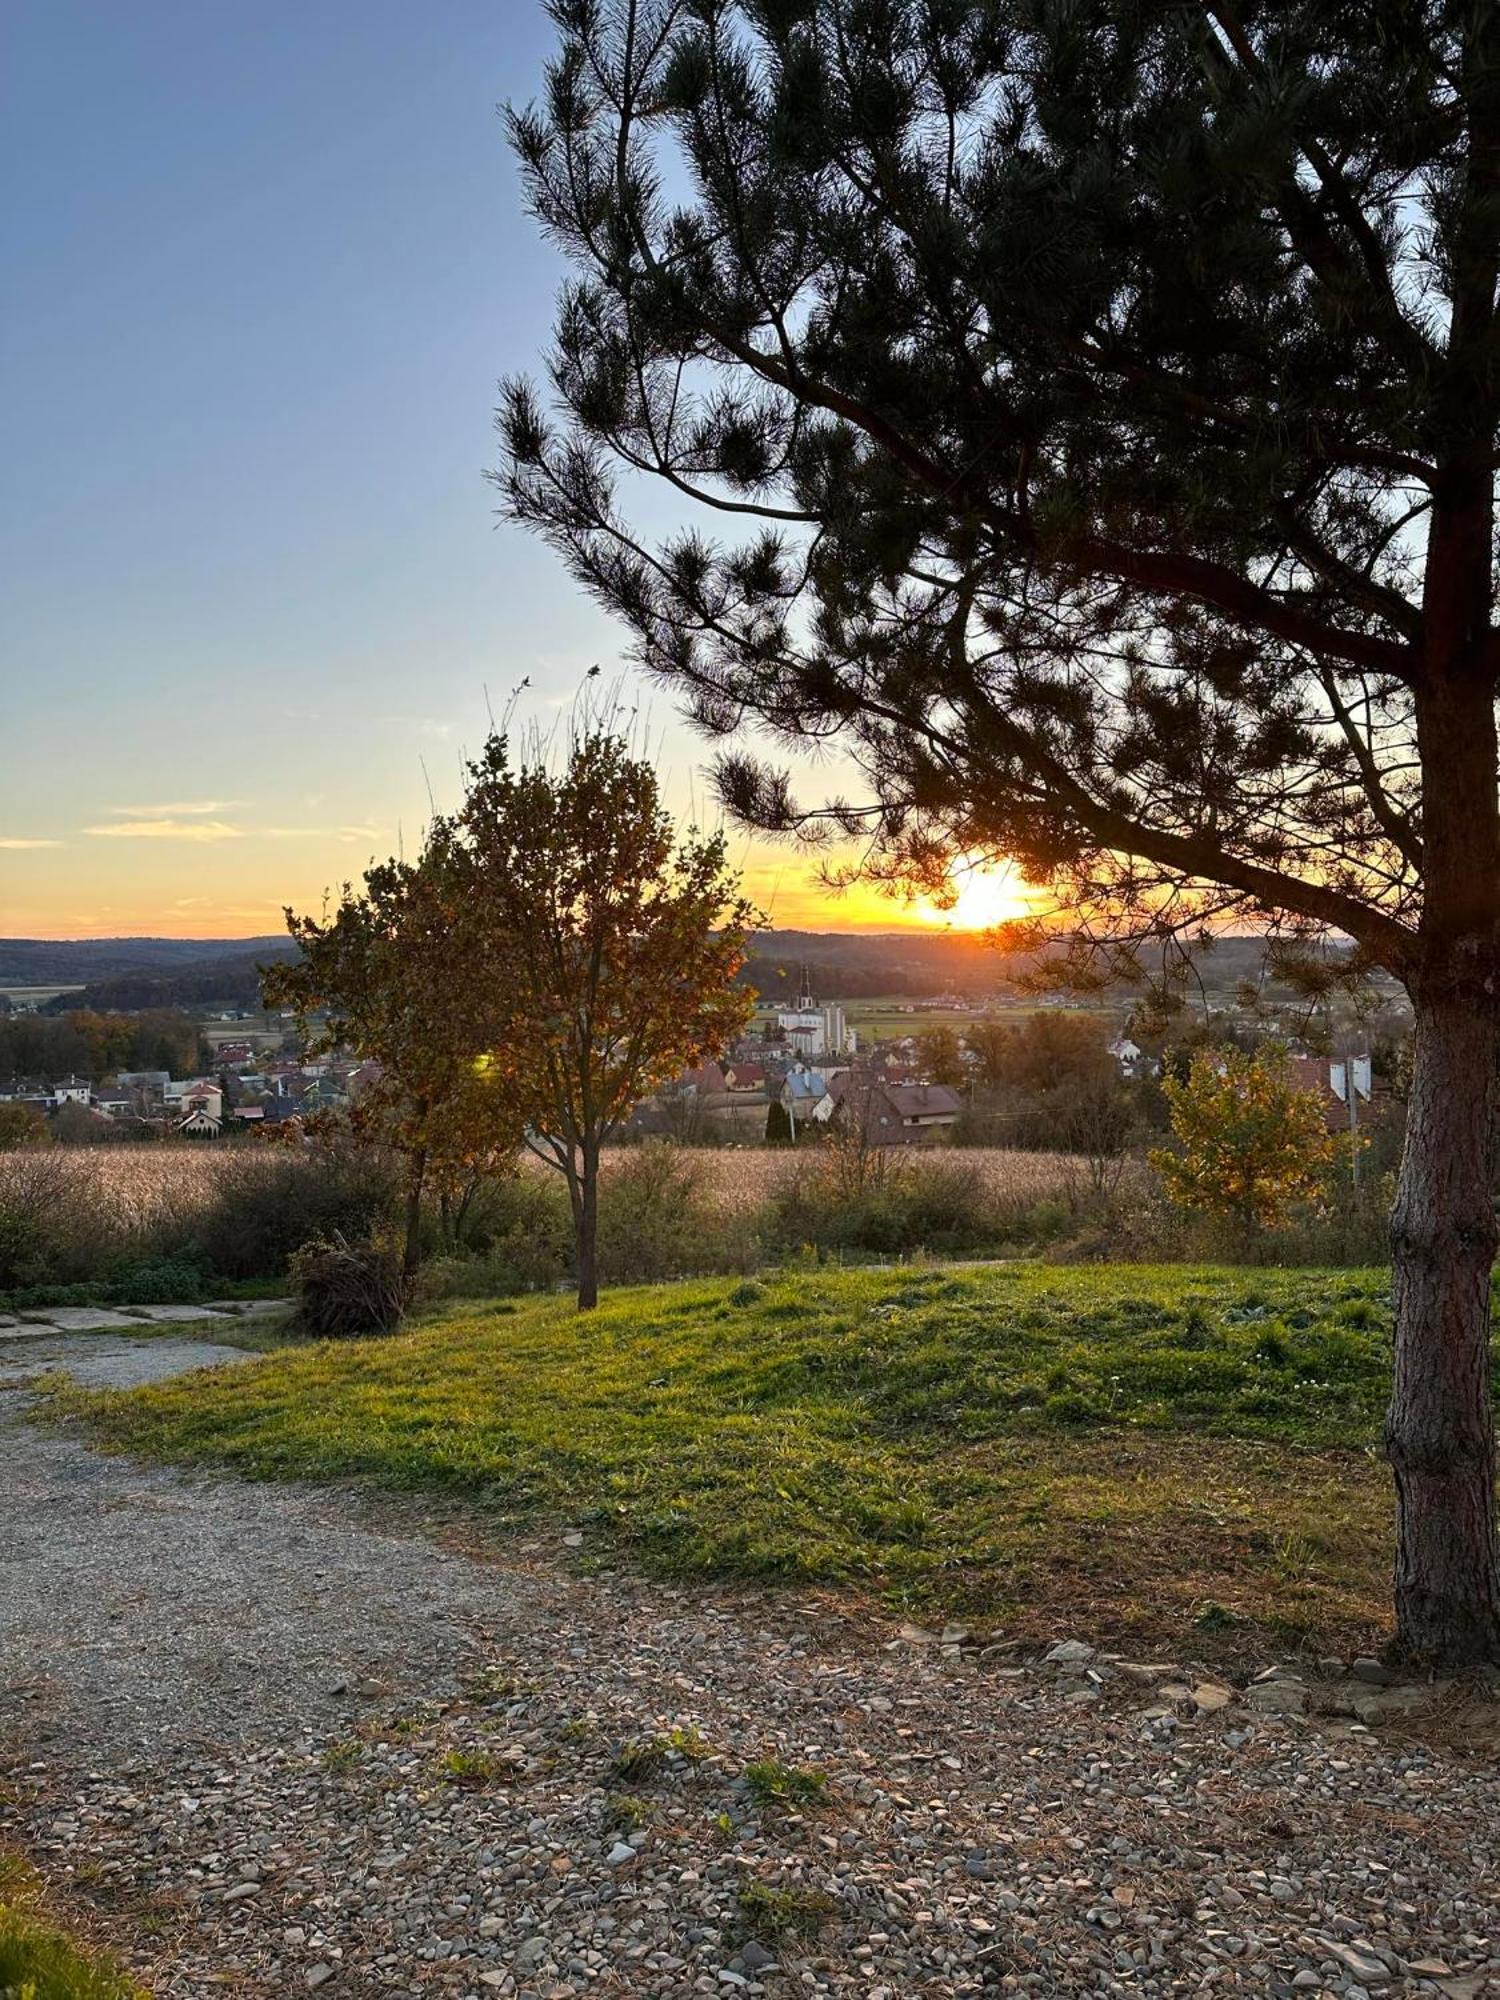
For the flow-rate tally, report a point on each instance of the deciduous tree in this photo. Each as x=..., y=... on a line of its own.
x=1251, y=1145
x=598, y=949
x=376, y=977
x=941, y=1055
x=1099, y=407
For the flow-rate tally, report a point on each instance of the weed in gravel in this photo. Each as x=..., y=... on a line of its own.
x=342, y=1757
x=775, y=1915
x=643, y=1756
x=626, y=1812
x=473, y=1769
x=794, y=1787
x=496, y=1684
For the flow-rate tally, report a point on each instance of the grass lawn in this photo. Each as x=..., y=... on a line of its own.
x=1162, y=1455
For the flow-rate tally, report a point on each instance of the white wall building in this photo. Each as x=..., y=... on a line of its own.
x=812, y=1030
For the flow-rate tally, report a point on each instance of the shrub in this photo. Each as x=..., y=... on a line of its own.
x=522, y=1230
x=265, y=1206
x=167, y=1282
x=43, y=1208
x=908, y=1205
x=657, y=1219
x=345, y=1291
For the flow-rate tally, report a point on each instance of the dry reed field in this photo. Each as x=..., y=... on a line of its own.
x=746, y=1176
x=136, y=1186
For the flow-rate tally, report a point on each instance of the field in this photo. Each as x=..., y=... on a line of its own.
x=891, y=1018
x=136, y=1186
x=1175, y=1457
x=146, y=1183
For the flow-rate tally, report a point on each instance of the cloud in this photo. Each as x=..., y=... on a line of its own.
x=18, y=841
x=321, y=832
x=196, y=809
x=420, y=725
x=165, y=829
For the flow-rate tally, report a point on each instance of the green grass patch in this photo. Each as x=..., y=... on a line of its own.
x=1027, y=1444
x=38, y=1958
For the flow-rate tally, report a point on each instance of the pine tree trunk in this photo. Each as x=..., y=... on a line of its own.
x=1440, y=1433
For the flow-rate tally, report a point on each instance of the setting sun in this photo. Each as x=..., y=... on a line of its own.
x=985, y=897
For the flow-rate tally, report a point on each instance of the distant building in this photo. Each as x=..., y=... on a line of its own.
x=1328, y=1079
x=199, y=1124
x=812, y=1030
x=895, y=1114
x=200, y=1094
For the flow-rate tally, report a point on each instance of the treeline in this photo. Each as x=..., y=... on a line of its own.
x=221, y=982
x=778, y=981
x=85, y=1042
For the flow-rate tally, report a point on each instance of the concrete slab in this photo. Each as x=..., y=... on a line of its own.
x=162, y=1315
x=80, y=1319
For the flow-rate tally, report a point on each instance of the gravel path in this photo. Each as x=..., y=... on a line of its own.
x=287, y=1740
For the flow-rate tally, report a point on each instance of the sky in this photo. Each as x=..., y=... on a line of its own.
x=263, y=268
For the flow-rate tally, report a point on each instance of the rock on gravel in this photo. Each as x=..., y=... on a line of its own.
x=323, y=1751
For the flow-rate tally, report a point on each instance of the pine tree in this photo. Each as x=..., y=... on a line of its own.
x=778, y=1124
x=1098, y=407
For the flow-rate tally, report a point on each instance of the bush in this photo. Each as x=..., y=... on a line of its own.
x=908, y=1205
x=524, y=1234
x=347, y=1291
x=265, y=1206
x=657, y=1221
x=173, y=1281
x=43, y=1213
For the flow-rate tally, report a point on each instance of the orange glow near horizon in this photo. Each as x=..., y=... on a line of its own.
x=985, y=897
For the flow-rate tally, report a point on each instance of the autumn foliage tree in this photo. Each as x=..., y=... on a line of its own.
x=597, y=948
x=1252, y=1147
x=1098, y=407
x=374, y=977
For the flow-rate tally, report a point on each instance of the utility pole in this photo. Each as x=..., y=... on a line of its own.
x=1351, y=1093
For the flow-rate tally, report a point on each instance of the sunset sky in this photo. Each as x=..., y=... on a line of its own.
x=264, y=266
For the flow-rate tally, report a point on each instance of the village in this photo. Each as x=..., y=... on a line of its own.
x=799, y=1071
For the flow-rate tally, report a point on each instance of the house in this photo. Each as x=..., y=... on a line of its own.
x=895, y=1114
x=1127, y=1054
x=1328, y=1078
x=72, y=1090
x=115, y=1100
x=804, y=1094
x=707, y=1080
x=199, y=1123
x=743, y=1076
x=200, y=1094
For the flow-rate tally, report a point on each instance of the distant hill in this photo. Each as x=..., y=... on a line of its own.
x=77, y=961
x=132, y=974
